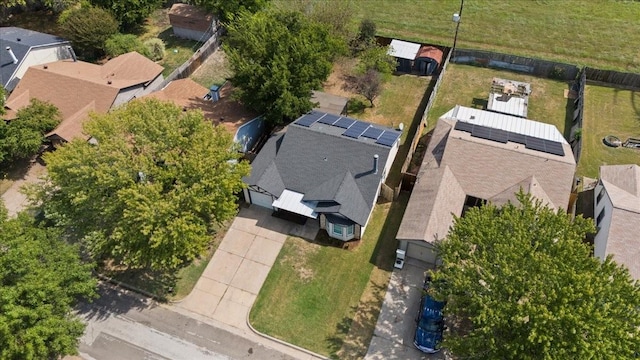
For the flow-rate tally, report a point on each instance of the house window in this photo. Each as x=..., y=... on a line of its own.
x=337, y=230
x=600, y=217
x=600, y=195
x=343, y=232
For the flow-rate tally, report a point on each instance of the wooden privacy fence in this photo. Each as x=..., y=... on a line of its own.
x=538, y=67
x=575, y=138
x=613, y=77
x=196, y=59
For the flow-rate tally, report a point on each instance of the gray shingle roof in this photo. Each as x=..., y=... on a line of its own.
x=325, y=166
x=28, y=39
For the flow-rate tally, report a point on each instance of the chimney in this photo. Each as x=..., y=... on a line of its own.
x=72, y=53
x=13, y=56
x=375, y=163
x=214, y=93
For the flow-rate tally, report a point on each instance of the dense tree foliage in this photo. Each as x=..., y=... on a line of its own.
x=148, y=191
x=55, y=5
x=41, y=278
x=278, y=58
x=376, y=58
x=131, y=13
x=227, y=10
x=88, y=28
x=119, y=44
x=521, y=284
x=22, y=137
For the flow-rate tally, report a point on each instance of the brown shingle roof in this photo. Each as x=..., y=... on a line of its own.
x=226, y=112
x=75, y=86
x=482, y=168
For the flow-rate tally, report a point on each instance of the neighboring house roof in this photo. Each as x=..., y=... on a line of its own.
x=329, y=103
x=318, y=161
x=622, y=183
x=189, y=95
x=21, y=42
x=457, y=164
x=190, y=17
x=75, y=87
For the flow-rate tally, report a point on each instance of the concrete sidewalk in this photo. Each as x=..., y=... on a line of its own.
x=230, y=284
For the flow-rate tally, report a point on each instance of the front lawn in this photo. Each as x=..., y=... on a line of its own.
x=315, y=297
x=469, y=85
x=608, y=111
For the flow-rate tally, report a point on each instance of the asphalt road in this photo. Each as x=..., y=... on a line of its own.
x=125, y=326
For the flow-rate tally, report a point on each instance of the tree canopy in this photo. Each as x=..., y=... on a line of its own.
x=520, y=283
x=131, y=13
x=88, y=29
x=227, y=10
x=23, y=136
x=148, y=191
x=278, y=57
x=41, y=278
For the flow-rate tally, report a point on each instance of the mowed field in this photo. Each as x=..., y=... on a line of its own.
x=597, y=33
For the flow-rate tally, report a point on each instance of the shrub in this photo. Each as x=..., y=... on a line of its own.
x=119, y=44
x=155, y=49
x=376, y=58
x=88, y=28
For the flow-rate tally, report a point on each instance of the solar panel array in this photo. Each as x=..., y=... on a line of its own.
x=354, y=128
x=502, y=136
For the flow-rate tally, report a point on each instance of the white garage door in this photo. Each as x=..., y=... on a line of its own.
x=422, y=252
x=261, y=199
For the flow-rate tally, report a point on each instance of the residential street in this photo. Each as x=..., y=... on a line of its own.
x=121, y=325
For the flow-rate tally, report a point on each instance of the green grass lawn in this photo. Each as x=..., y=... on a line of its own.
x=313, y=291
x=469, y=86
x=608, y=111
x=600, y=34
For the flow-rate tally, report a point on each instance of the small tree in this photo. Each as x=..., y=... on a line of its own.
x=366, y=36
x=155, y=48
x=88, y=28
x=119, y=44
x=520, y=283
x=41, y=279
x=131, y=13
x=148, y=194
x=376, y=58
x=368, y=85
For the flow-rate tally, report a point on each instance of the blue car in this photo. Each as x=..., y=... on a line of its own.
x=430, y=325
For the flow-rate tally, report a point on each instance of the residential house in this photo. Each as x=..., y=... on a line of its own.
x=617, y=216
x=324, y=167
x=218, y=106
x=477, y=156
x=22, y=48
x=78, y=88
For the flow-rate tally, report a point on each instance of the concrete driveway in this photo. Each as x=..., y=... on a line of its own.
x=393, y=336
x=230, y=284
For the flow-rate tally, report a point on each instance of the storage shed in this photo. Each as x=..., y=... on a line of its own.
x=192, y=22
x=428, y=60
x=404, y=52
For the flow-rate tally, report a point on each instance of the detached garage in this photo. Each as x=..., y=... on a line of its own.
x=192, y=22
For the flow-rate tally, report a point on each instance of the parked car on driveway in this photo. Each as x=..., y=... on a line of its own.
x=430, y=324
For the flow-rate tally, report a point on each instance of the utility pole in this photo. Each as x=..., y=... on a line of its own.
x=456, y=19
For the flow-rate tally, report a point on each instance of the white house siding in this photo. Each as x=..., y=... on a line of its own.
x=600, y=240
x=42, y=55
x=260, y=199
x=128, y=94
x=392, y=155
x=193, y=34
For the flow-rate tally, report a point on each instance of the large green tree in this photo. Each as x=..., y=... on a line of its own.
x=41, y=278
x=227, y=10
x=130, y=13
x=521, y=284
x=23, y=136
x=148, y=190
x=88, y=29
x=278, y=57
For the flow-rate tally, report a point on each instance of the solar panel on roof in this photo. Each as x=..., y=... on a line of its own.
x=499, y=135
x=344, y=123
x=356, y=129
x=464, y=126
x=535, y=144
x=373, y=133
x=308, y=119
x=481, y=132
x=329, y=119
x=518, y=138
x=388, y=138
x=554, y=147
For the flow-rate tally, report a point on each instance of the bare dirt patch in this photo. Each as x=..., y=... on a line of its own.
x=214, y=71
x=298, y=258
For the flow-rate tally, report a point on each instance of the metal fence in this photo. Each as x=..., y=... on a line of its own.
x=538, y=67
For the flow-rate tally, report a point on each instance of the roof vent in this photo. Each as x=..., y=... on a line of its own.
x=72, y=53
x=472, y=117
x=46, y=66
x=13, y=56
x=18, y=39
x=375, y=163
x=109, y=82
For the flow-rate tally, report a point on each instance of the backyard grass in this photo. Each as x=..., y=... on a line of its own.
x=599, y=34
x=469, y=86
x=608, y=111
x=313, y=296
x=214, y=71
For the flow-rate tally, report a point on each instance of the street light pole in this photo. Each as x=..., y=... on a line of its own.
x=456, y=19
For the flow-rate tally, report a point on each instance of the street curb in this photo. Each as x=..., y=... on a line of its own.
x=130, y=288
x=308, y=352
